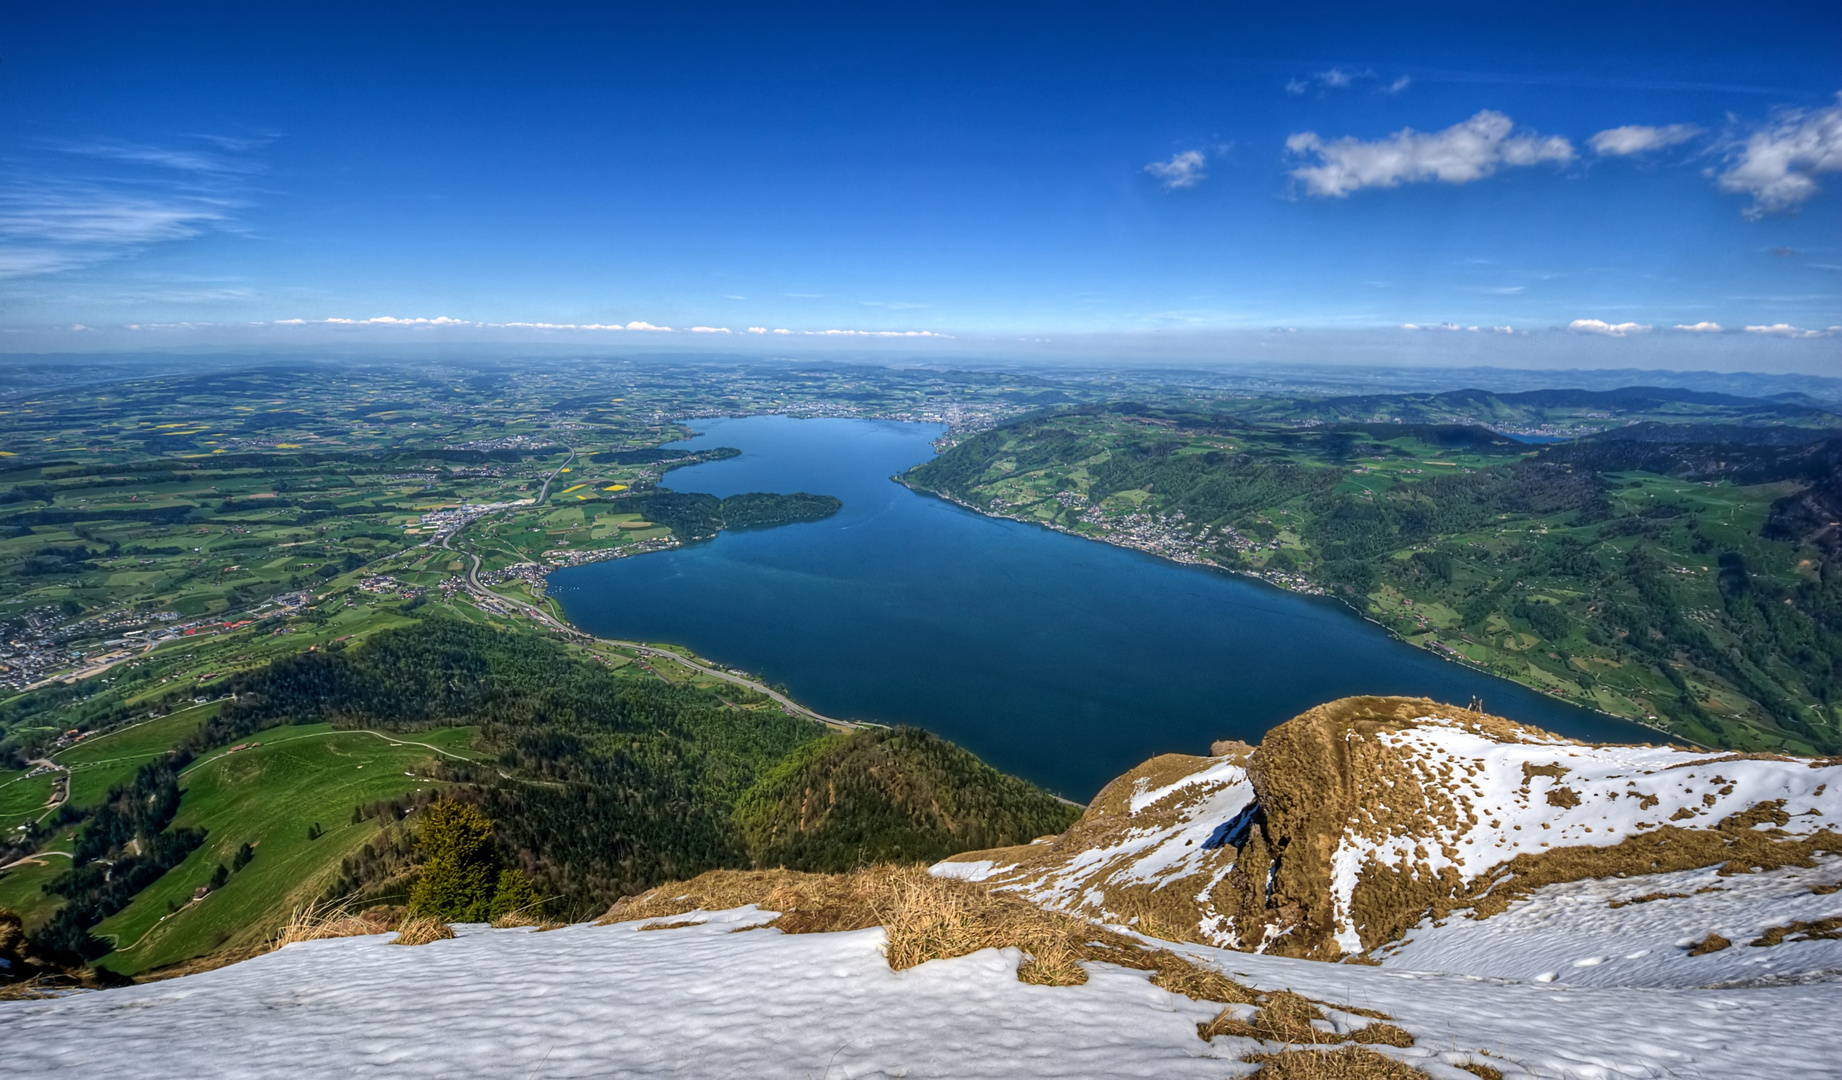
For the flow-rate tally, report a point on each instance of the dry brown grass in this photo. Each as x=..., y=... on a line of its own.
x=1649, y=897
x=1479, y=1069
x=315, y=921
x=513, y=919
x=1286, y=1018
x=1815, y=930
x=1711, y=943
x=421, y=931
x=1343, y=1063
x=930, y=918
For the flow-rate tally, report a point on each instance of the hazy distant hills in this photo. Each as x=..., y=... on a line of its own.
x=1553, y=413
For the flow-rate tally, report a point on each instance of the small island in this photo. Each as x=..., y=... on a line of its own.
x=694, y=515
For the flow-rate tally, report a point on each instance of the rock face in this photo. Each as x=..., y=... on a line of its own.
x=1352, y=822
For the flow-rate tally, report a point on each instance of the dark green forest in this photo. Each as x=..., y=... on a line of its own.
x=697, y=516
x=888, y=795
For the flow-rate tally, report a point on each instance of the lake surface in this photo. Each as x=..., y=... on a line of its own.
x=1063, y=660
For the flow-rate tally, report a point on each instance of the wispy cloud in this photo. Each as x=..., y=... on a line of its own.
x=1637, y=139
x=179, y=160
x=1462, y=153
x=1700, y=328
x=1606, y=329
x=1785, y=330
x=1183, y=170
x=46, y=229
x=1778, y=164
x=1339, y=78
x=55, y=217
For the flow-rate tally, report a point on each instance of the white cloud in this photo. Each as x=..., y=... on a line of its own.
x=439, y=320
x=1778, y=164
x=709, y=329
x=1343, y=79
x=1785, y=330
x=757, y=329
x=1599, y=326
x=1460, y=154
x=1700, y=328
x=558, y=326
x=1438, y=326
x=1638, y=139
x=783, y=331
x=869, y=333
x=1184, y=170
x=638, y=325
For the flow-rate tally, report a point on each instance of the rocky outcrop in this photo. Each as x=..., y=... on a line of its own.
x=1352, y=822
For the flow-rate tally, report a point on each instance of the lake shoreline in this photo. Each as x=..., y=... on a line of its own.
x=1064, y=663
x=1308, y=589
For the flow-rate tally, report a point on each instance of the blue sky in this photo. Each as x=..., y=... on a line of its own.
x=1586, y=177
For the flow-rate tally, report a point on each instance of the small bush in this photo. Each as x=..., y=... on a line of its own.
x=515, y=901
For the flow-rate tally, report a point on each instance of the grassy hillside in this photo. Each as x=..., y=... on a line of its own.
x=882, y=795
x=99, y=763
x=601, y=781
x=1683, y=575
x=267, y=796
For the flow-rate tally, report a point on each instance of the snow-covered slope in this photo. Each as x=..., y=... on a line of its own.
x=1350, y=823
x=703, y=1001
x=1639, y=931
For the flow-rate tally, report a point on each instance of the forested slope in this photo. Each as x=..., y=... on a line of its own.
x=599, y=782
x=882, y=795
x=1685, y=575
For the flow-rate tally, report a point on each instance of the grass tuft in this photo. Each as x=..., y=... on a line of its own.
x=421, y=931
x=316, y=921
x=1343, y=1063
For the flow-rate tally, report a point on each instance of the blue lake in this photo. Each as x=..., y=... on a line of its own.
x=1059, y=659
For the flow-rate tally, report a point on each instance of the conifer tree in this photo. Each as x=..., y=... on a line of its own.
x=462, y=871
